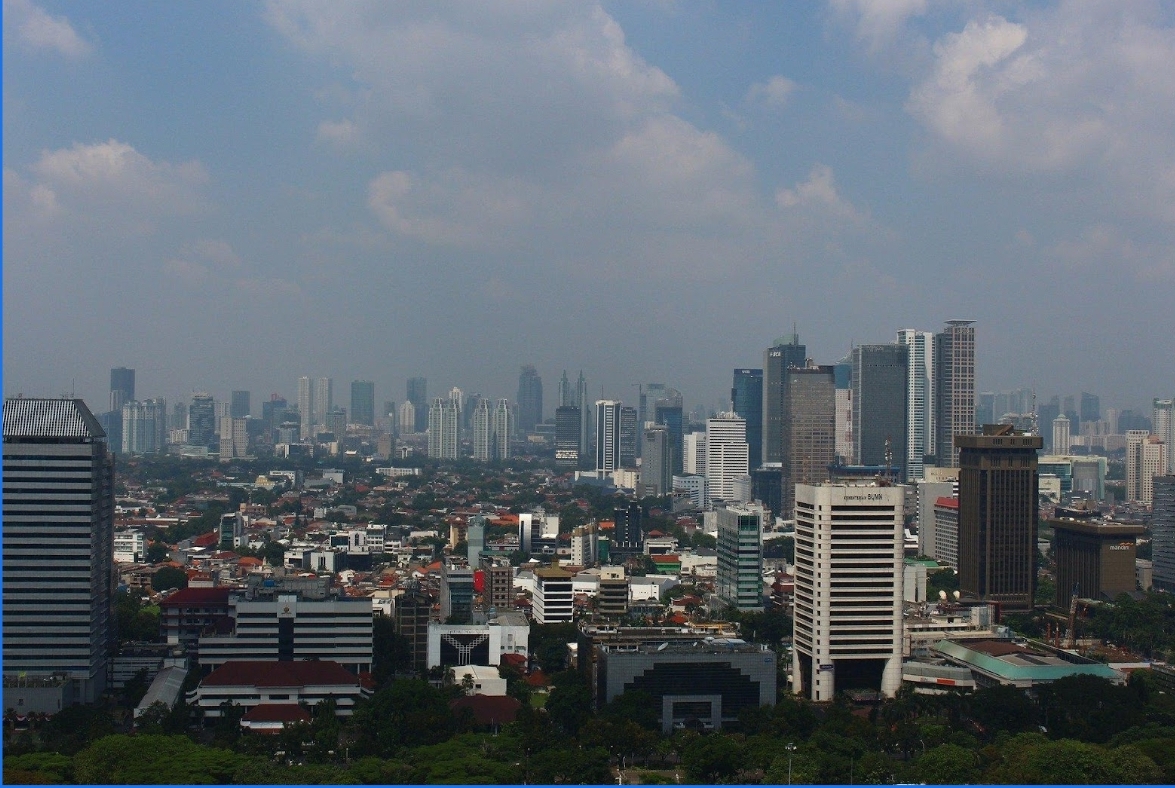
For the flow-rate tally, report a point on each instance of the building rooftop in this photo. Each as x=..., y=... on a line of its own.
x=263, y=673
x=1106, y=528
x=1011, y=662
x=276, y=712
x=193, y=597
x=50, y=418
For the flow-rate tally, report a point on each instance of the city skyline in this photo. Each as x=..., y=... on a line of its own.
x=539, y=185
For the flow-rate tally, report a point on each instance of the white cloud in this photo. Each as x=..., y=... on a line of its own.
x=879, y=21
x=819, y=192
x=36, y=29
x=773, y=93
x=342, y=133
x=1104, y=247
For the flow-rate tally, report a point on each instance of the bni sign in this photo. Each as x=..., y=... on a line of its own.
x=825, y=667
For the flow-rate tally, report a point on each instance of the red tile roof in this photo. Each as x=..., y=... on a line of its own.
x=264, y=673
x=206, y=540
x=276, y=712
x=197, y=597
x=948, y=502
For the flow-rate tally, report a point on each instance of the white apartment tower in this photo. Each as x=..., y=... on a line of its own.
x=1163, y=425
x=481, y=430
x=501, y=428
x=694, y=454
x=306, y=407
x=443, y=437
x=1146, y=458
x=848, y=598
x=607, y=435
x=1061, y=441
x=407, y=413
x=726, y=454
x=920, y=424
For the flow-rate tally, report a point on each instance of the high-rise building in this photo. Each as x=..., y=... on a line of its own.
x=880, y=412
x=746, y=399
x=482, y=430
x=58, y=548
x=306, y=406
x=628, y=536
x=566, y=392
x=628, y=437
x=920, y=411
x=334, y=421
x=530, y=399
x=842, y=376
x=407, y=417
x=567, y=438
x=362, y=402
x=954, y=388
x=240, y=405
x=585, y=414
x=122, y=387
x=443, y=438
x=234, y=438
x=1146, y=458
x=998, y=488
x=739, y=581
x=848, y=595
x=726, y=454
x=1061, y=435
x=785, y=353
x=1094, y=556
x=456, y=593
x=809, y=429
x=667, y=411
x=201, y=420
x=656, y=461
x=1163, y=425
x=324, y=400
x=1163, y=532
x=144, y=427
x=273, y=412
x=1044, y=415
x=1091, y=407
x=984, y=407
x=694, y=460
x=608, y=435
x=649, y=392
x=502, y=423
x=418, y=396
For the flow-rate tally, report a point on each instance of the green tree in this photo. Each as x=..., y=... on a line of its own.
x=74, y=727
x=390, y=651
x=169, y=577
x=157, y=552
x=1002, y=708
x=404, y=713
x=636, y=706
x=948, y=764
x=142, y=760
x=714, y=758
x=1089, y=708
x=570, y=704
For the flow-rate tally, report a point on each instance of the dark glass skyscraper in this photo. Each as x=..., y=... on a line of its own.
x=240, y=406
x=776, y=361
x=418, y=396
x=809, y=429
x=362, y=402
x=667, y=412
x=1091, y=407
x=746, y=397
x=122, y=387
x=880, y=374
x=628, y=437
x=530, y=399
x=567, y=439
x=954, y=387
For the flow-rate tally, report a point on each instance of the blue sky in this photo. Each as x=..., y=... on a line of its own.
x=230, y=195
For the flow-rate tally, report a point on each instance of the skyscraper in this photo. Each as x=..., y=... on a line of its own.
x=585, y=414
x=566, y=392
x=880, y=408
x=739, y=581
x=1146, y=458
x=954, y=388
x=656, y=461
x=998, y=488
x=503, y=429
x=1163, y=532
x=58, y=545
x=842, y=375
x=443, y=439
x=628, y=437
x=362, y=402
x=808, y=429
x=306, y=406
x=920, y=410
x=746, y=399
x=607, y=435
x=144, y=426
x=407, y=417
x=482, y=430
x=530, y=399
x=726, y=454
x=1163, y=425
x=241, y=405
x=418, y=396
x=1091, y=407
x=776, y=361
x=567, y=436
x=667, y=411
x=122, y=387
x=324, y=400
x=1045, y=413
x=201, y=420
x=1060, y=435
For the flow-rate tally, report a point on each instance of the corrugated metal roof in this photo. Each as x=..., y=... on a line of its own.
x=50, y=418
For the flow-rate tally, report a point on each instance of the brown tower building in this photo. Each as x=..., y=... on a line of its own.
x=1096, y=556
x=809, y=429
x=998, y=490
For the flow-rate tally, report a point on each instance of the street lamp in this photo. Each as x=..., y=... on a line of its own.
x=790, y=749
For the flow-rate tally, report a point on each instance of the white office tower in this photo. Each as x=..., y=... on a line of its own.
x=306, y=406
x=1146, y=458
x=920, y=426
x=740, y=557
x=1163, y=425
x=501, y=428
x=324, y=400
x=234, y=438
x=848, y=597
x=482, y=430
x=407, y=417
x=1061, y=435
x=726, y=454
x=694, y=454
x=607, y=435
x=443, y=439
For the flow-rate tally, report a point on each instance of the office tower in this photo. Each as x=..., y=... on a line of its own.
x=363, y=402
x=842, y=377
x=920, y=424
x=566, y=392
x=726, y=454
x=567, y=438
x=418, y=396
x=1060, y=435
x=334, y=421
x=407, y=417
x=201, y=420
x=998, y=488
x=767, y=488
x=880, y=407
x=694, y=453
x=1044, y=415
x=739, y=581
x=482, y=430
x=475, y=538
x=628, y=437
x=530, y=399
x=649, y=392
x=144, y=427
x=848, y=597
x=234, y=438
x=1163, y=425
x=628, y=535
x=585, y=545
x=392, y=416
x=776, y=361
x=585, y=414
x=928, y=495
x=746, y=399
x=503, y=429
x=456, y=593
x=607, y=435
x=324, y=400
x=1095, y=557
x=554, y=601
x=1163, y=532
x=273, y=411
x=306, y=406
x=443, y=438
x=1091, y=407
x=667, y=411
x=656, y=461
x=809, y=429
x=58, y=549
x=946, y=532
x=954, y=388
x=1069, y=409
x=612, y=596
x=1146, y=458
x=240, y=404
x=499, y=583
x=122, y=387
x=984, y=406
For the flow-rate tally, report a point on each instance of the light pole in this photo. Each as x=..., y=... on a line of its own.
x=790, y=749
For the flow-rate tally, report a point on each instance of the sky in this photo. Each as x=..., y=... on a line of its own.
x=229, y=195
